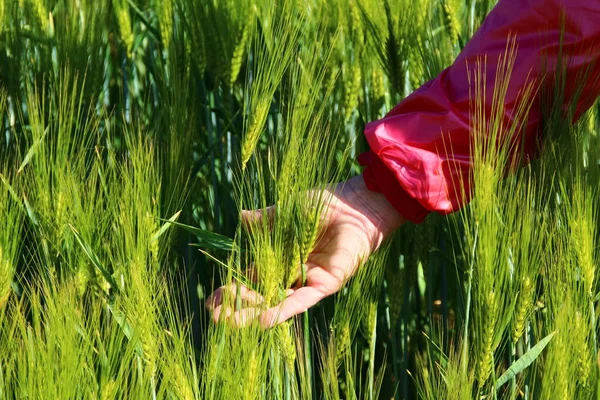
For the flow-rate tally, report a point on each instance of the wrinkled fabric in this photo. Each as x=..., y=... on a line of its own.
x=422, y=147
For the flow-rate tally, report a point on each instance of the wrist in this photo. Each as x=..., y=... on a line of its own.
x=378, y=214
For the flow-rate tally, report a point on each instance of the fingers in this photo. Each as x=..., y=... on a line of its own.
x=320, y=284
x=254, y=217
x=297, y=302
x=221, y=302
x=239, y=319
x=219, y=296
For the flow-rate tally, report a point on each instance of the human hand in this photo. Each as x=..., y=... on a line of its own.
x=355, y=223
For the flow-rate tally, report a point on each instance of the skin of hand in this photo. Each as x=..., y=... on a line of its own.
x=355, y=224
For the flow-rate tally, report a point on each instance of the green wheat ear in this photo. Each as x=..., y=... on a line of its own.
x=285, y=336
x=239, y=52
x=2, y=12
x=41, y=13
x=125, y=27
x=165, y=19
x=259, y=116
x=352, y=88
x=310, y=231
x=451, y=17
x=523, y=308
x=486, y=356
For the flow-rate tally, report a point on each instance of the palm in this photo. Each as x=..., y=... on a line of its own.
x=338, y=253
x=354, y=227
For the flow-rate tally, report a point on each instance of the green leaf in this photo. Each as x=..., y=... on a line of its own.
x=165, y=226
x=126, y=328
x=242, y=278
x=11, y=190
x=94, y=259
x=140, y=14
x=32, y=151
x=209, y=239
x=524, y=362
x=30, y=212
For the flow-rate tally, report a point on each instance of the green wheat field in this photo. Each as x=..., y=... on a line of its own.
x=134, y=131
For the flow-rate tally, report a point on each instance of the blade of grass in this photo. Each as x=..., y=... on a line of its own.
x=165, y=226
x=209, y=239
x=525, y=361
x=94, y=259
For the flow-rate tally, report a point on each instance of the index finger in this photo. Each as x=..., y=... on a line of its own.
x=254, y=217
x=298, y=302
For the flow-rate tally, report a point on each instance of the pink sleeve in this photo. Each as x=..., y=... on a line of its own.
x=409, y=161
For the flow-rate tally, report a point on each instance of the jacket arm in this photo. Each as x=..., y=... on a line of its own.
x=410, y=161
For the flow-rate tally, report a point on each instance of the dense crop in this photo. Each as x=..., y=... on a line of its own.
x=134, y=133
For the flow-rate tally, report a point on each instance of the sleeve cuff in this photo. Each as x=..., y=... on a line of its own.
x=380, y=179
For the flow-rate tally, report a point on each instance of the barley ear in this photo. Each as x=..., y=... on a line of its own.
x=352, y=89
x=259, y=118
x=124, y=21
x=181, y=383
x=295, y=265
x=582, y=351
x=41, y=13
x=287, y=344
x=524, y=304
x=6, y=277
x=452, y=21
x=311, y=232
x=238, y=54
x=486, y=357
x=252, y=384
x=343, y=341
x=165, y=18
